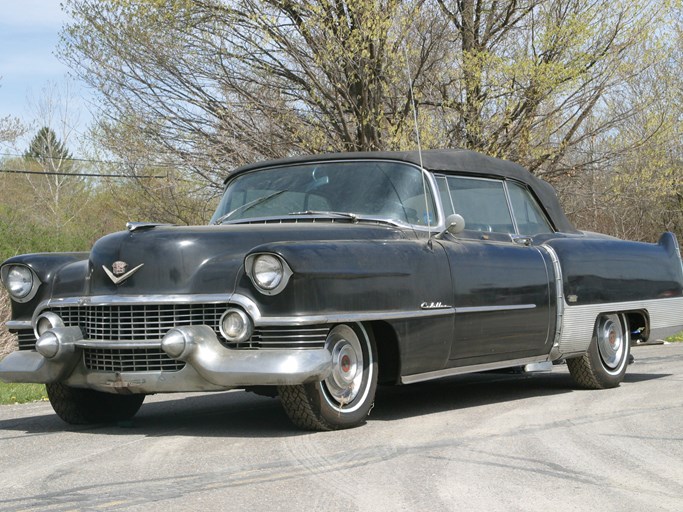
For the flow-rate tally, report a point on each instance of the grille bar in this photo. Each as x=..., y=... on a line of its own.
x=138, y=322
x=25, y=339
x=129, y=360
x=288, y=337
x=148, y=323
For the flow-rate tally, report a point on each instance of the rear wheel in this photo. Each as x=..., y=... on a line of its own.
x=344, y=399
x=604, y=365
x=79, y=406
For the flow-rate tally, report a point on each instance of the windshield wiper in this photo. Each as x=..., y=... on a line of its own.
x=345, y=215
x=245, y=207
x=353, y=217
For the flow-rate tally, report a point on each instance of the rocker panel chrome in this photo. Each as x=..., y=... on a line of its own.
x=420, y=377
x=666, y=318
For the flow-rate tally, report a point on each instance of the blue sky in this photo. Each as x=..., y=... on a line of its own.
x=29, y=34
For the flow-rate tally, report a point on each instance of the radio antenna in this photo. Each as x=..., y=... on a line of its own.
x=417, y=138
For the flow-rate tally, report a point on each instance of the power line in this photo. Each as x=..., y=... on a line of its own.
x=82, y=174
x=87, y=160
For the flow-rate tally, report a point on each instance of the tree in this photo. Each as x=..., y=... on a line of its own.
x=51, y=153
x=531, y=80
x=200, y=86
x=213, y=84
x=50, y=164
x=10, y=129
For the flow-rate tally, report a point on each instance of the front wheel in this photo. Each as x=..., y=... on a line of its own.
x=604, y=365
x=79, y=406
x=344, y=399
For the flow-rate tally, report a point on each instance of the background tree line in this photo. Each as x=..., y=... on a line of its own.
x=586, y=94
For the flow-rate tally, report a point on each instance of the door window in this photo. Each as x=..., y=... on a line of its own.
x=528, y=214
x=482, y=203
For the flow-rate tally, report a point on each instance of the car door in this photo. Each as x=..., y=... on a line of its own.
x=501, y=281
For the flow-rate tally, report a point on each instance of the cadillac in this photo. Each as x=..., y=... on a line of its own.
x=320, y=277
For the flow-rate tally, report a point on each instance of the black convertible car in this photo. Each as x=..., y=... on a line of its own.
x=320, y=277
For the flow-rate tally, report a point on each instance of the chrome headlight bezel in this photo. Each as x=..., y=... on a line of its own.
x=45, y=322
x=7, y=274
x=276, y=265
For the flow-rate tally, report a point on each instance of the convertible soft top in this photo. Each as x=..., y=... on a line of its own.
x=462, y=161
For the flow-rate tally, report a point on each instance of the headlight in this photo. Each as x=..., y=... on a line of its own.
x=236, y=326
x=269, y=272
x=20, y=282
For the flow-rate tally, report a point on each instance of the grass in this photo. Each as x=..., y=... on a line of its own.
x=676, y=337
x=21, y=393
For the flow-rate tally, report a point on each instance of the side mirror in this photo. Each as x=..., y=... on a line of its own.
x=455, y=224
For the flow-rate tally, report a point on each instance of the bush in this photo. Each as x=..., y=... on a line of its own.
x=7, y=341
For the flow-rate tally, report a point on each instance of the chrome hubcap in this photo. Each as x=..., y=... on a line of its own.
x=611, y=341
x=346, y=379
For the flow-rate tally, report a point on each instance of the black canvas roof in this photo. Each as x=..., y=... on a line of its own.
x=460, y=161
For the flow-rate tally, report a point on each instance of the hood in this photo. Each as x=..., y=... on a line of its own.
x=191, y=260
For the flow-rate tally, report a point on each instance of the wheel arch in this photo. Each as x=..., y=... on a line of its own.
x=388, y=355
x=638, y=323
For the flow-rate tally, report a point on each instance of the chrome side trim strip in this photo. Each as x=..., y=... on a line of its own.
x=247, y=304
x=486, y=309
x=666, y=316
x=19, y=325
x=420, y=377
x=352, y=317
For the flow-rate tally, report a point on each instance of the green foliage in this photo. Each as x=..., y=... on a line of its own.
x=49, y=151
x=214, y=84
x=676, y=338
x=21, y=393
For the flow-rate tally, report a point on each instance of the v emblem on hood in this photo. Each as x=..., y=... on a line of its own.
x=121, y=278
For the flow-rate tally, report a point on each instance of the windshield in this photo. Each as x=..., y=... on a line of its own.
x=366, y=189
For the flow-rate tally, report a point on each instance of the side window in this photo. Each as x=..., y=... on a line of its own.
x=530, y=218
x=445, y=195
x=482, y=203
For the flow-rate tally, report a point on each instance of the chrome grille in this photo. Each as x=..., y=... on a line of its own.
x=138, y=322
x=310, y=336
x=129, y=360
x=25, y=339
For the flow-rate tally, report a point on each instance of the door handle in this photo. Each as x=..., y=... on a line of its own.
x=522, y=240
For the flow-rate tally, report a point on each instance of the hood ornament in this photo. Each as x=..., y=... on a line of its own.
x=118, y=272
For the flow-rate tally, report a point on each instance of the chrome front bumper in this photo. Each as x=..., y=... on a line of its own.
x=209, y=364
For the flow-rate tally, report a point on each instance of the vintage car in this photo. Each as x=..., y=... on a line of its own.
x=321, y=277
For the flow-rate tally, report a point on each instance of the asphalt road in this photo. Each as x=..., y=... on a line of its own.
x=482, y=442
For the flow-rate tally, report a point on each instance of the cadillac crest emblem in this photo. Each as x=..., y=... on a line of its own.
x=118, y=268
x=118, y=273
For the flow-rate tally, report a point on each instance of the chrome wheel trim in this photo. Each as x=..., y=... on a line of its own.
x=348, y=385
x=611, y=341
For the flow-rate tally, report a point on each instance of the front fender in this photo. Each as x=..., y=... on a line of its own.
x=46, y=267
x=356, y=276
